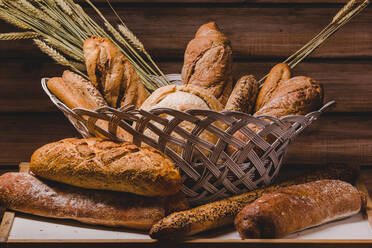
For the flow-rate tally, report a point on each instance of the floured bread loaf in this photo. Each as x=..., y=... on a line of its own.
x=28, y=194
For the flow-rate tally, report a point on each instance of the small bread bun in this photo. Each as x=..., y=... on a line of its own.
x=181, y=97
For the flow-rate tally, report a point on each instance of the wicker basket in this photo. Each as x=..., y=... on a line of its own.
x=209, y=172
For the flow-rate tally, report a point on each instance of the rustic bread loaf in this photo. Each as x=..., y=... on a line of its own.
x=297, y=96
x=221, y=213
x=277, y=75
x=244, y=94
x=26, y=193
x=112, y=73
x=76, y=92
x=95, y=163
x=298, y=207
x=208, y=62
x=181, y=97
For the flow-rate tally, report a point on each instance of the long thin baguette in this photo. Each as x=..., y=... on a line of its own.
x=220, y=213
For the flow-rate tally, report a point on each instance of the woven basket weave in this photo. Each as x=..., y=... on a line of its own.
x=208, y=171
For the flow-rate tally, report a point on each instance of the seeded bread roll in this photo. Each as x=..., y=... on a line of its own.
x=244, y=94
x=298, y=207
x=95, y=163
x=26, y=193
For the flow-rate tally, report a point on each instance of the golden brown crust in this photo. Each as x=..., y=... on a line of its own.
x=132, y=87
x=104, y=63
x=76, y=92
x=220, y=213
x=297, y=96
x=244, y=94
x=208, y=62
x=95, y=163
x=278, y=74
x=298, y=207
x=26, y=193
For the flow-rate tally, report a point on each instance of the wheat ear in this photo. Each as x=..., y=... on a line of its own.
x=131, y=37
x=64, y=6
x=51, y=52
x=11, y=20
x=19, y=36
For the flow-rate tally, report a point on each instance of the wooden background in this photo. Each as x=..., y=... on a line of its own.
x=263, y=32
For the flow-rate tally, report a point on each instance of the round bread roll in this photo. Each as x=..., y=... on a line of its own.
x=183, y=97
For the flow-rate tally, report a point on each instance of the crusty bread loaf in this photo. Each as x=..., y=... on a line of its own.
x=244, y=94
x=277, y=75
x=104, y=63
x=298, y=207
x=95, y=163
x=216, y=214
x=208, y=62
x=112, y=73
x=26, y=193
x=181, y=97
x=297, y=96
x=75, y=91
x=132, y=90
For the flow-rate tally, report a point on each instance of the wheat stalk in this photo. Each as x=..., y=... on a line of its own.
x=55, y=55
x=131, y=37
x=19, y=36
x=350, y=10
x=14, y=21
x=64, y=6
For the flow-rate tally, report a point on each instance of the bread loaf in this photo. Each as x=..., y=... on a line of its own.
x=181, y=97
x=112, y=73
x=26, y=193
x=104, y=63
x=76, y=92
x=244, y=94
x=297, y=96
x=179, y=225
x=298, y=207
x=95, y=163
x=277, y=75
x=208, y=62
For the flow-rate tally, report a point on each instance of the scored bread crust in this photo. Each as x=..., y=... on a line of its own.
x=26, y=193
x=208, y=62
x=95, y=163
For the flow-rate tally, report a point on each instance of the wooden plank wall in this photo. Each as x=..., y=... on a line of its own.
x=263, y=32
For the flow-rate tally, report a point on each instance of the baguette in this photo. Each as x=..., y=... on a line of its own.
x=179, y=225
x=26, y=193
x=95, y=163
x=76, y=92
x=298, y=207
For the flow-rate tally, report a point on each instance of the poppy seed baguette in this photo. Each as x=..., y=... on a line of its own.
x=220, y=213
